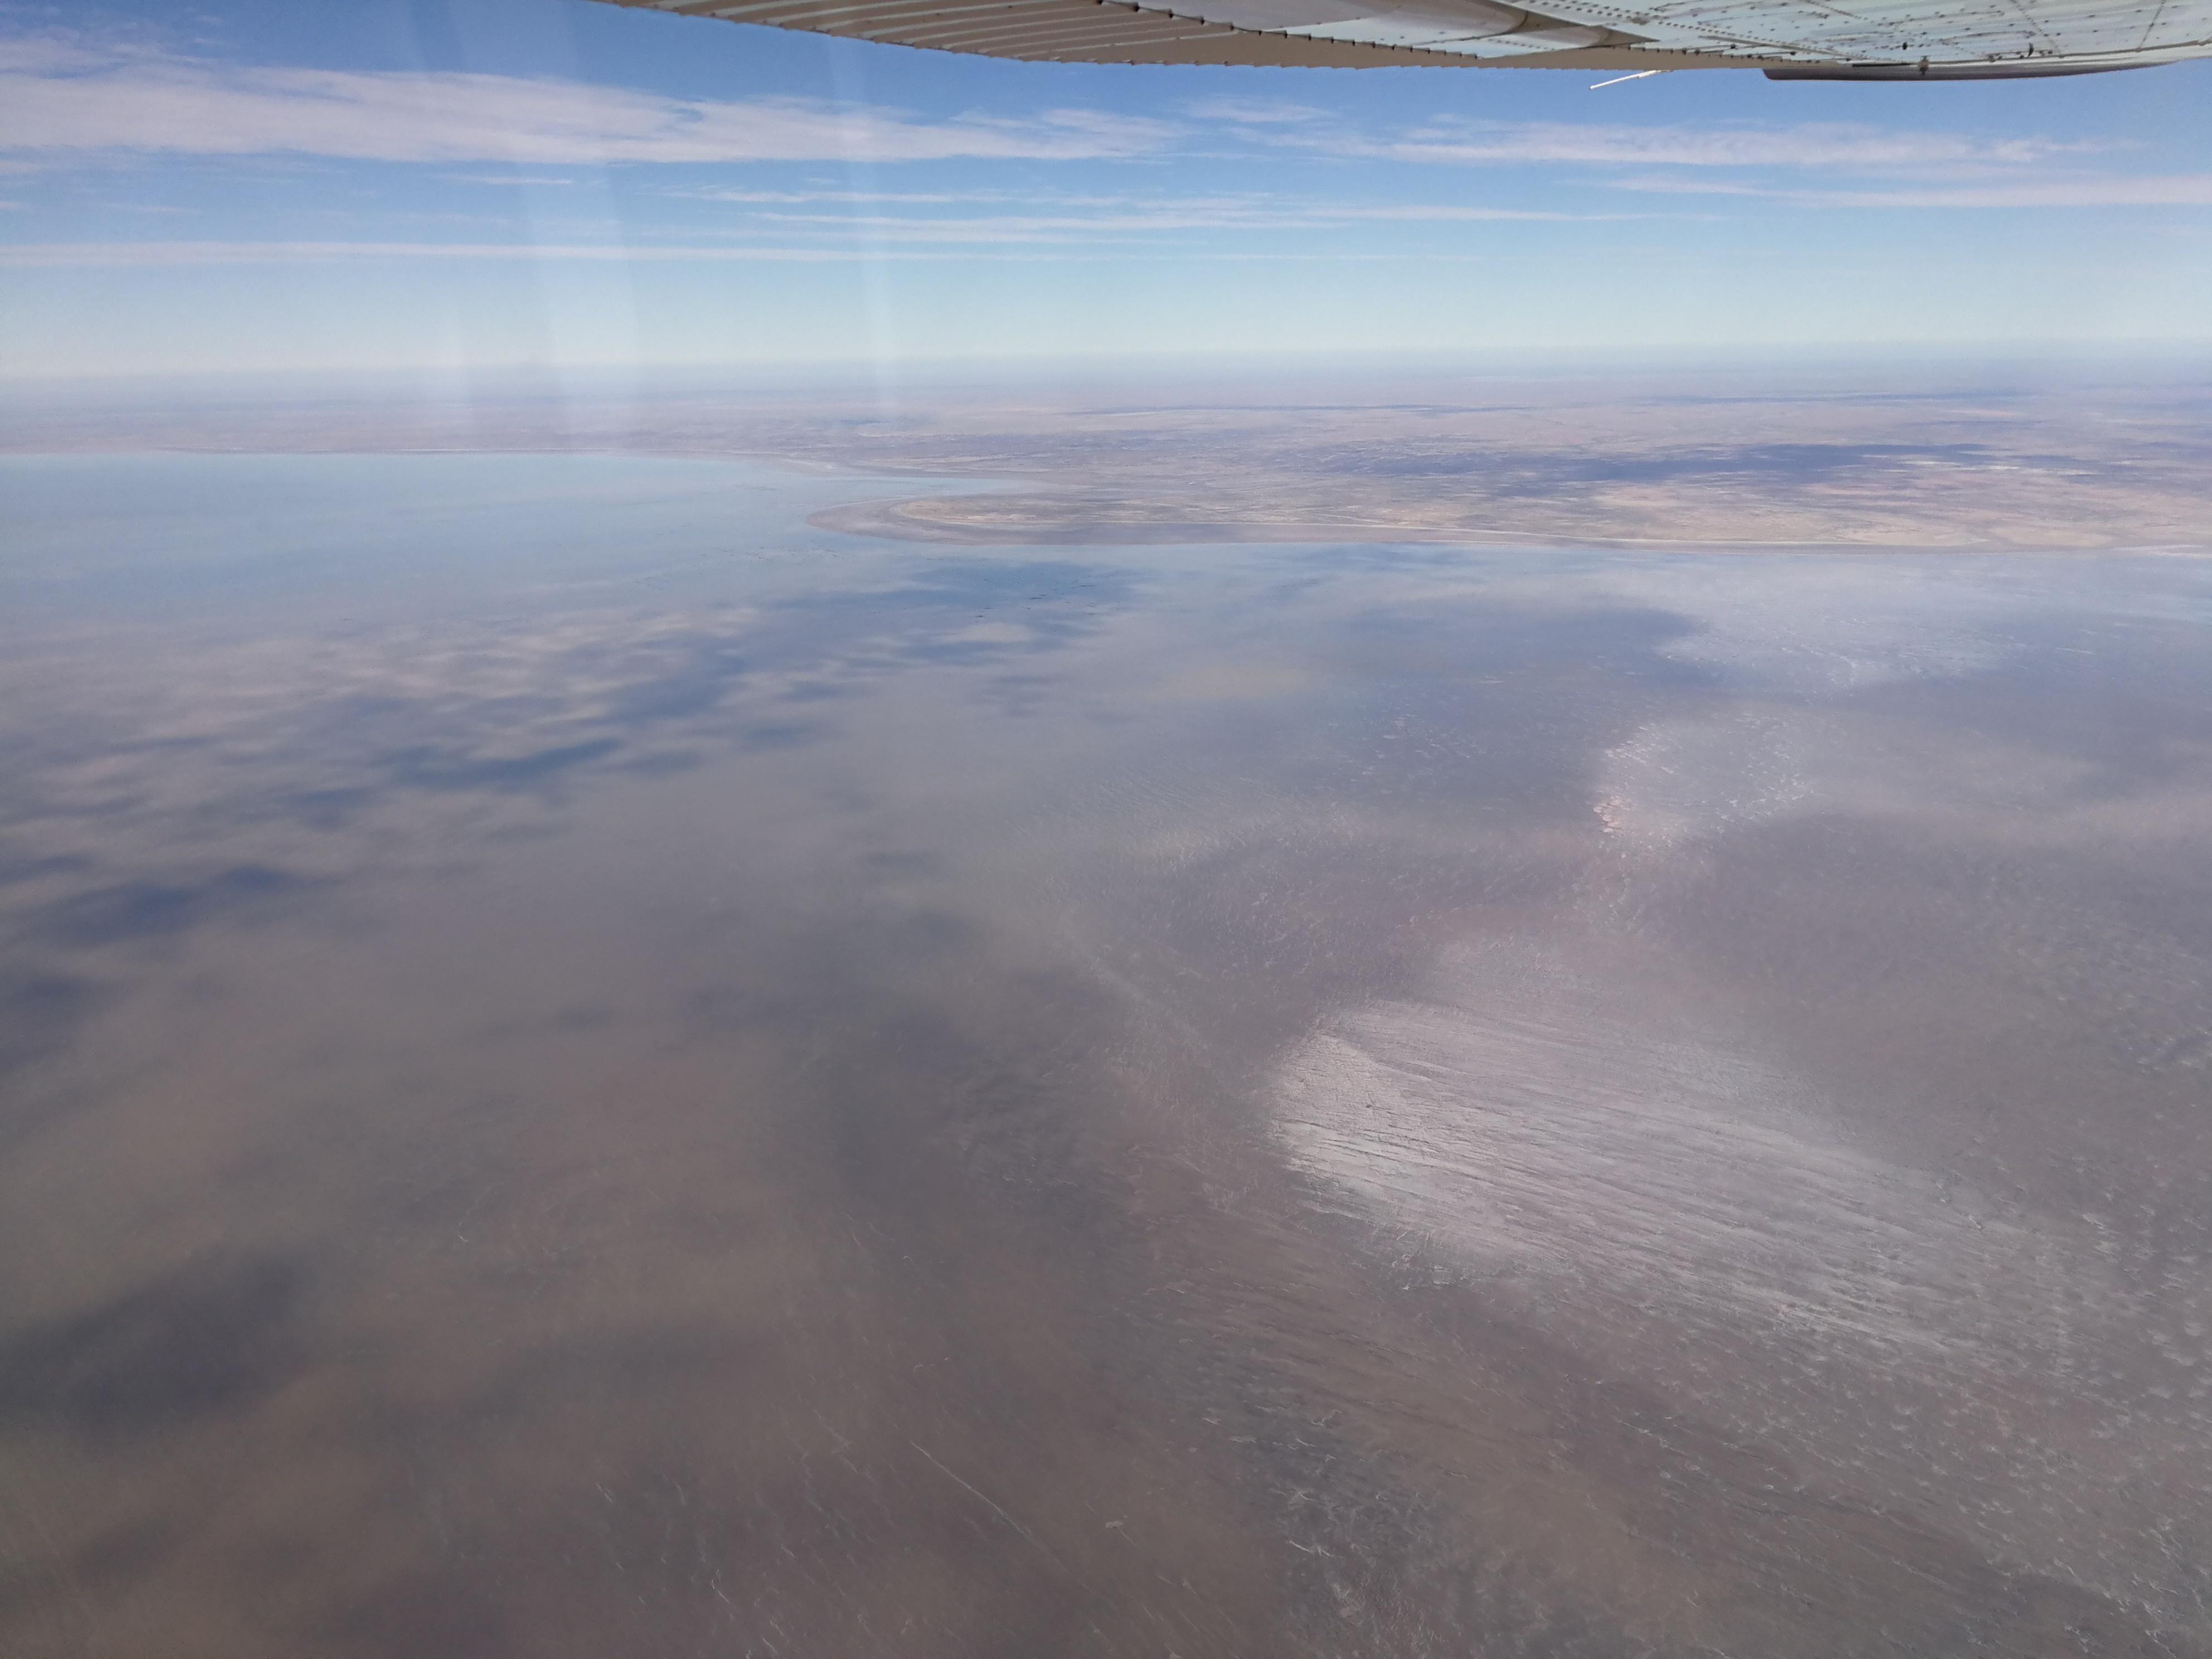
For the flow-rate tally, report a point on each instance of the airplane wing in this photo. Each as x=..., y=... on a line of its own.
x=1791, y=39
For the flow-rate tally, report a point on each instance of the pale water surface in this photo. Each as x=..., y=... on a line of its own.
x=590, y=1069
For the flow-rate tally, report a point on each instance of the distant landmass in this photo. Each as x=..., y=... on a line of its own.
x=2051, y=458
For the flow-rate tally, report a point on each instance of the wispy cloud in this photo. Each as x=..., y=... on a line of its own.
x=1255, y=112
x=1874, y=167
x=1118, y=221
x=519, y=180
x=2096, y=191
x=1229, y=215
x=67, y=255
x=1835, y=146
x=794, y=197
x=51, y=255
x=63, y=96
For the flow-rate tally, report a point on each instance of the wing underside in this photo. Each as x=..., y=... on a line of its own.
x=1945, y=40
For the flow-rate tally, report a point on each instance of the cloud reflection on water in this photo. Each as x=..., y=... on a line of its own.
x=721, y=1098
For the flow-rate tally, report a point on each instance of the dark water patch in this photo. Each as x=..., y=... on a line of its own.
x=13, y=871
x=326, y=809
x=126, y=1554
x=41, y=1014
x=205, y=1341
x=130, y=911
x=1055, y=602
x=442, y=1610
x=661, y=763
x=905, y=863
x=583, y=1017
x=673, y=697
x=767, y=736
x=434, y=770
x=1023, y=696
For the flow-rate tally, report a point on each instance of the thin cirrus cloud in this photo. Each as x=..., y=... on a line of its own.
x=1221, y=216
x=788, y=197
x=813, y=237
x=1255, y=112
x=78, y=254
x=2097, y=190
x=73, y=255
x=1838, y=146
x=60, y=97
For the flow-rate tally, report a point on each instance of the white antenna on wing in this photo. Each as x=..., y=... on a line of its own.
x=1618, y=79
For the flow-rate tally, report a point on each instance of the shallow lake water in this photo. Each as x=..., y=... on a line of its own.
x=589, y=1068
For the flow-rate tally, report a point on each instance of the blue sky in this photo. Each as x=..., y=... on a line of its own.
x=348, y=185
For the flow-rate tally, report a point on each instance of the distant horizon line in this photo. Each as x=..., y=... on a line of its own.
x=463, y=383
